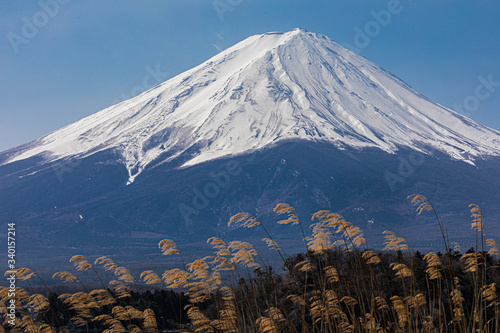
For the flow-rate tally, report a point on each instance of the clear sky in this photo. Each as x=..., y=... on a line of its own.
x=62, y=60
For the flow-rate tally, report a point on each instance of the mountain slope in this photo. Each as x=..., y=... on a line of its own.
x=280, y=117
x=265, y=89
x=85, y=208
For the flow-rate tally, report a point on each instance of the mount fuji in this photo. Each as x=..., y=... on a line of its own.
x=279, y=117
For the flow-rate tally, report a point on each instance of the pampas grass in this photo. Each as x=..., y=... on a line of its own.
x=338, y=285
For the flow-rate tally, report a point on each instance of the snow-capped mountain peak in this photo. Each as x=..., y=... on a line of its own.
x=265, y=89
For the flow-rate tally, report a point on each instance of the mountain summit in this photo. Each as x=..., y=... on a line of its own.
x=265, y=89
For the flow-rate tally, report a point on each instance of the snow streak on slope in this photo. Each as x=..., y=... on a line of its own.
x=267, y=88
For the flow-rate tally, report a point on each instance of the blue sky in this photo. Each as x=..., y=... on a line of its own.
x=82, y=56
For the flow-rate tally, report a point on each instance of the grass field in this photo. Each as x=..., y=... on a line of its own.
x=338, y=284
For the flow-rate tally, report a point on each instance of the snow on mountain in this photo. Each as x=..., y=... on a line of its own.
x=268, y=88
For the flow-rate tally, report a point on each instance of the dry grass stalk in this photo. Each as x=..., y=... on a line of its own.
x=402, y=271
x=331, y=274
x=81, y=262
x=320, y=242
x=121, y=289
x=284, y=208
x=422, y=201
x=272, y=244
x=21, y=273
x=433, y=265
x=243, y=253
x=38, y=302
x=393, y=242
x=458, y=301
x=401, y=311
x=381, y=303
x=300, y=301
x=489, y=293
x=65, y=276
x=150, y=277
x=199, y=320
x=472, y=261
x=492, y=244
x=304, y=266
x=124, y=275
x=271, y=323
x=371, y=257
x=176, y=278
x=477, y=218
x=102, y=297
x=108, y=263
x=168, y=247
x=245, y=220
x=228, y=316
x=149, y=322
